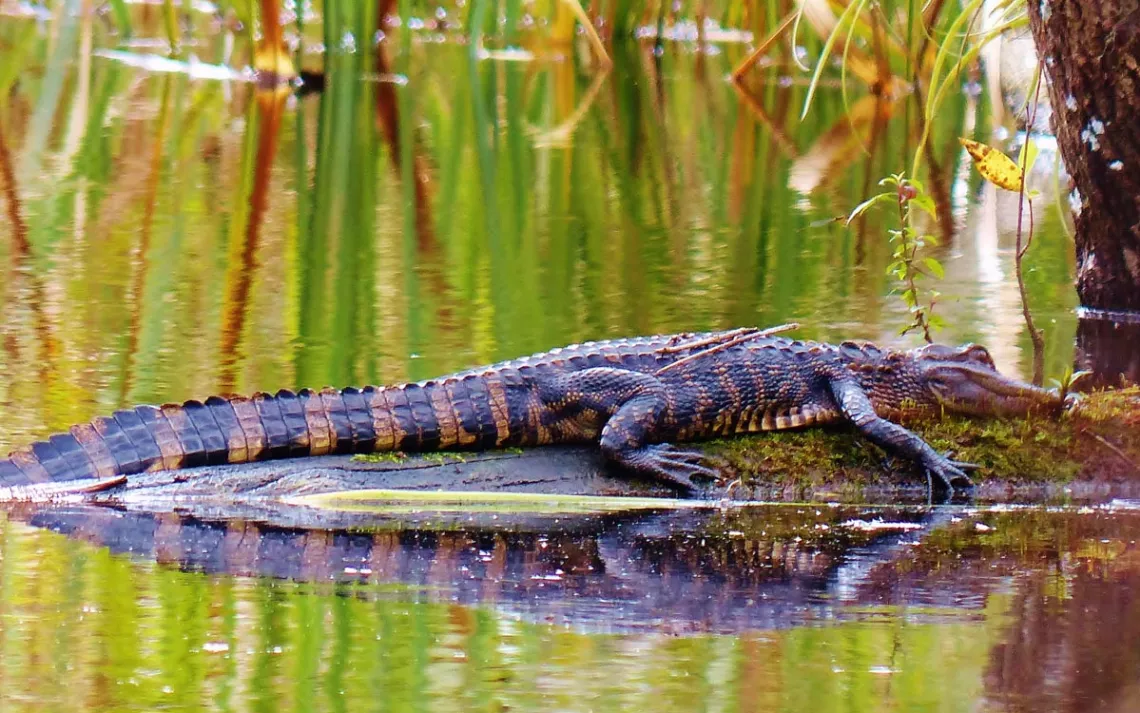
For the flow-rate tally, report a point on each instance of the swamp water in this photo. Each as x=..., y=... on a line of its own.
x=170, y=231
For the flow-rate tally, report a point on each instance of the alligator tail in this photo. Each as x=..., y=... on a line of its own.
x=457, y=412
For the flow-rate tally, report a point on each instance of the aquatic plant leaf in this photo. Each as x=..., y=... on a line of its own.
x=995, y=166
x=865, y=205
x=926, y=203
x=935, y=267
x=1027, y=156
x=396, y=501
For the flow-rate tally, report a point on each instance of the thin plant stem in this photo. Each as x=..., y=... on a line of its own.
x=762, y=49
x=591, y=33
x=659, y=43
x=920, y=317
x=1035, y=334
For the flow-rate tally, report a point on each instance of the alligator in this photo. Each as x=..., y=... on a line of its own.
x=635, y=398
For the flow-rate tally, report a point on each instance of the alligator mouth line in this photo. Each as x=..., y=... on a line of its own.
x=1005, y=395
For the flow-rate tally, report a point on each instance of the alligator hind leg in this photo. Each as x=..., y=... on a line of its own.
x=626, y=439
x=635, y=409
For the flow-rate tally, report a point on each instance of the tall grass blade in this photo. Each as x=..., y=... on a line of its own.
x=136, y=298
x=845, y=20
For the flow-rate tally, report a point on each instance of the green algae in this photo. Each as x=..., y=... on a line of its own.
x=439, y=457
x=1098, y=439
x=382, y=457
x=399, y=457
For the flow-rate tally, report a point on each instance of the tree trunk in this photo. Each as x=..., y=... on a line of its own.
x=1091, y=50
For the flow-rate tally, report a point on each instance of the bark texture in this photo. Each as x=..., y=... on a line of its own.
x=1091, y=50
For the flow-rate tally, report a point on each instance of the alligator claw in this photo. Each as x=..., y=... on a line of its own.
x=963, y=465
x=951, y=473
x=674, y=465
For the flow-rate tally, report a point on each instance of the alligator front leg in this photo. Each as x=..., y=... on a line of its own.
x=637, y=406
x=857, y=408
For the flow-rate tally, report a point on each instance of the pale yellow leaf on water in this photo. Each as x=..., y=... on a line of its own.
x=995, y=166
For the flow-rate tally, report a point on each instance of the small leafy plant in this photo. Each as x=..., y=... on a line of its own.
x=907, y=266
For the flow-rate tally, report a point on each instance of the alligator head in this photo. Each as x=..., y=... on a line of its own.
x=965, y=380
x=936, y=377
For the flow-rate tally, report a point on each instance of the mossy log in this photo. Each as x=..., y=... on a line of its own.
x=1094, y=448
x=1091, y=453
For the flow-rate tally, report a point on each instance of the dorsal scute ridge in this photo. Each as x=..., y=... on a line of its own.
x=585, y=350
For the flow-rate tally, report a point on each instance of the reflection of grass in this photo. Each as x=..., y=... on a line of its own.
x=122, y=17
x=242, y=258
x=336, y=244
x=16, y=52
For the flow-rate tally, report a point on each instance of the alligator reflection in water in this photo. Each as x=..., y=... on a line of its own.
x=765, y=567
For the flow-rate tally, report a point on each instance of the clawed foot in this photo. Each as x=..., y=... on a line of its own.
x=951, y=473
x=671, y=464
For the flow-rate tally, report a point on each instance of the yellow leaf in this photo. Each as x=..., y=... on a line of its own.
x=995, y=166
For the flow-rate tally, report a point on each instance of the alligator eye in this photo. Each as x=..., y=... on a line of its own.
x=937, y=384
x=978, y=354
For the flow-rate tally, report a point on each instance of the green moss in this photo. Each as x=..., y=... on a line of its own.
x=436, y=457
x=439, y=457
x=385, y=457
x=1100, y=438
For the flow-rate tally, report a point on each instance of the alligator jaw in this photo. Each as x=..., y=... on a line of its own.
x=975, y=389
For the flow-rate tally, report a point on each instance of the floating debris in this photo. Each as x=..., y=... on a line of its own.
x=879, y=525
